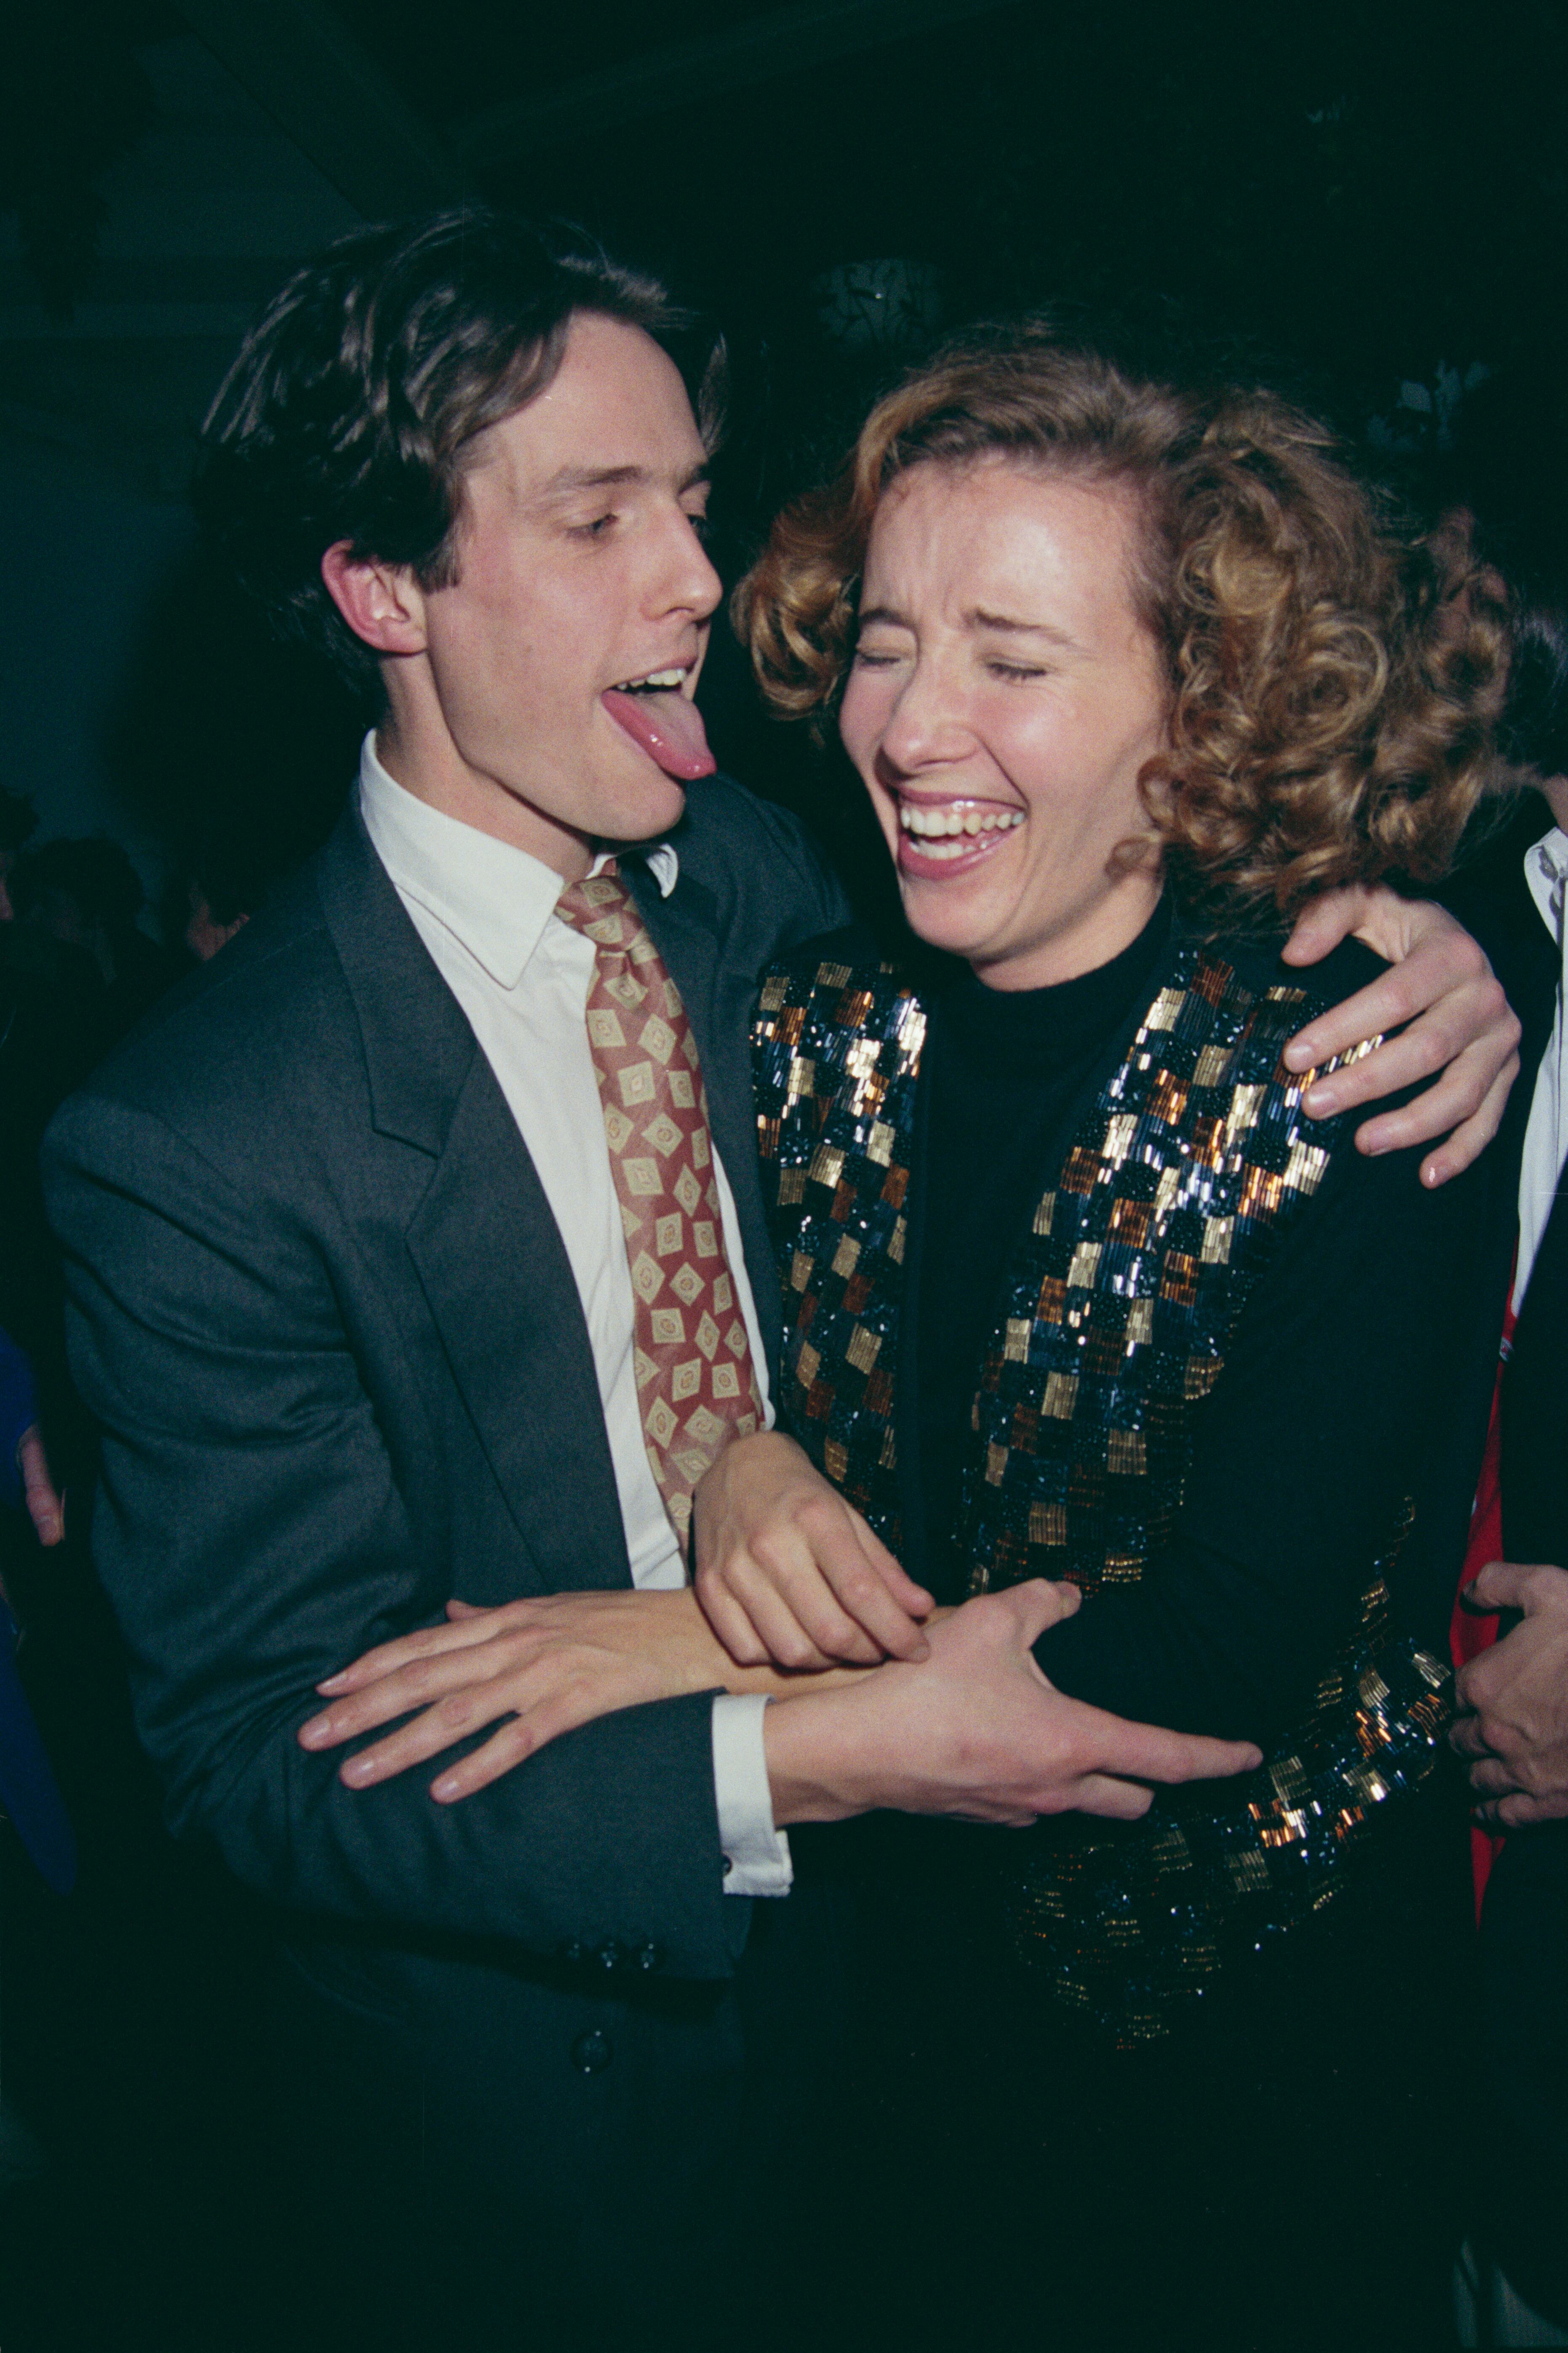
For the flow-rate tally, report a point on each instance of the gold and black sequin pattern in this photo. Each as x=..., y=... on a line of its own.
x=1193, y=1162
x=836, y=1063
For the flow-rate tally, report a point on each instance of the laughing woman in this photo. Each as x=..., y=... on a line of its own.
x=1076, y=1289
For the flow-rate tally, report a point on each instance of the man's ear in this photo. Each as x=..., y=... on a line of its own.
x=382, y=603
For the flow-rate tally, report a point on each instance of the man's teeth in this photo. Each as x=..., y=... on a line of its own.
x=656, y=680
x=946, y=832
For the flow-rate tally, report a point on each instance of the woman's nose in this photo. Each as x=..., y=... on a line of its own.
x=927, y=724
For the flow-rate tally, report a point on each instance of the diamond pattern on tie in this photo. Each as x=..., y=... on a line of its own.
x=695, y=1378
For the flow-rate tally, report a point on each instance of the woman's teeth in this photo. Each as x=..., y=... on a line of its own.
x=946, y=832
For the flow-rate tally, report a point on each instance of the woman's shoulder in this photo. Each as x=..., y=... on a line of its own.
x=839, y=978
x=851, y=947
x=1259, y=967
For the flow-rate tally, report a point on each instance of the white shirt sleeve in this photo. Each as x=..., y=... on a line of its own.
x=756, y=1855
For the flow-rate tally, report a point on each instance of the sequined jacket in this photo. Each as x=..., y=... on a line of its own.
x=1192, y=1163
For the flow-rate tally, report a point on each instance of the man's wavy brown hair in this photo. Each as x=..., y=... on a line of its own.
x=1335, y=680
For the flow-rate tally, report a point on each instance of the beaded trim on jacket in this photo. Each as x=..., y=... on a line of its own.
x=1193, y=1161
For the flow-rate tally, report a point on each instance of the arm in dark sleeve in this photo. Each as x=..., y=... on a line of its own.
x=18, y=1412
x=254, y=1532
x=1347, y=1387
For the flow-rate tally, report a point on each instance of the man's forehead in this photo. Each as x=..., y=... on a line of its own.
x=616, y=412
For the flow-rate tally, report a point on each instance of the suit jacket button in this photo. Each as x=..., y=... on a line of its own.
x=649, y=1956
x=609, y=1955
x=572, y=1953
x=593, y=2053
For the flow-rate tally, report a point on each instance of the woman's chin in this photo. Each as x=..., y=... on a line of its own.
x=943, y=915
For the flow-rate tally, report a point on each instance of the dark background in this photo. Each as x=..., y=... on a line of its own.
x=1369, y=203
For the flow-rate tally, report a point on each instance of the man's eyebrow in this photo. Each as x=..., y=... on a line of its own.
x=572, y=479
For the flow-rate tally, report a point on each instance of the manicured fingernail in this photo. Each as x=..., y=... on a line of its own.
x=448, y=1788
x=359, y=1770
x=317, y=1733
x=1298, y=1056
x=333, y=1682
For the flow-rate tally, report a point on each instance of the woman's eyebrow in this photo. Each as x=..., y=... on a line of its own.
x=977, y=619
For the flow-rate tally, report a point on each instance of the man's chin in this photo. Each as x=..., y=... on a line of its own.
x=646, y=814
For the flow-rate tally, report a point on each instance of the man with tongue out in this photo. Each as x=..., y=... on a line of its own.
x=416, y=1252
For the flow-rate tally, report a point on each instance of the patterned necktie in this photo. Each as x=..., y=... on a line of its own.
x=694, y=1374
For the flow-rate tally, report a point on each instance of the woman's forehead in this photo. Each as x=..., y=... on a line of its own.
x=971, y=532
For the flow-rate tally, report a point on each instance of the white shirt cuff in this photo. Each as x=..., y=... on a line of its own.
x=756, y=1855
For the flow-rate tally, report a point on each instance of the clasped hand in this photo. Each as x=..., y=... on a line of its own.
x=1514, y=1727
x=975, y=1730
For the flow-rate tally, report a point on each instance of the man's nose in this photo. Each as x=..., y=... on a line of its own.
x=687, y=580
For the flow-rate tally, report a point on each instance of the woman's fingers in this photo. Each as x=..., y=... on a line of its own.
x=809, y=1568
x=417, y=1683
x=513, y=1745
x=902, y=1587
x=811, y=1594
x=875, y=1621
x=566, y=1684
x=778, y=1623
x=561, y=1704
x=435, y=1728
x=427, y=1642
x=728, y=1622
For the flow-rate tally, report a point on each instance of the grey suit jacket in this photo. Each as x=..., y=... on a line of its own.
x=321, y=1312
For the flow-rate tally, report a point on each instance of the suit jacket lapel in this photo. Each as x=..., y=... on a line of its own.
x=720, y=995
x=484, y=1244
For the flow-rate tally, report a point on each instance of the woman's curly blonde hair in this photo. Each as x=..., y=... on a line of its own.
x=1334, y=681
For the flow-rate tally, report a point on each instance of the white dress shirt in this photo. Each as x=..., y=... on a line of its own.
x=1546, y=1136
x=486, y=911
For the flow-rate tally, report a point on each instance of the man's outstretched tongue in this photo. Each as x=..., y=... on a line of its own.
x=668, y=728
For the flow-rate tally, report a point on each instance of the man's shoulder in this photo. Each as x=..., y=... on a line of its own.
x=754, y=857
x=238, y=1033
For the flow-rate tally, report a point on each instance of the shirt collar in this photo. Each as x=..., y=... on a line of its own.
x=494, y=898
x=1546, y=871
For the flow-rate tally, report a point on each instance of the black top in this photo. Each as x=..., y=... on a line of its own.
x=1008, y=1076
x=1359, y=1374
